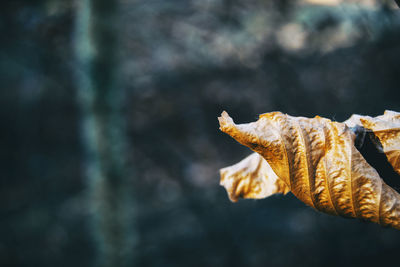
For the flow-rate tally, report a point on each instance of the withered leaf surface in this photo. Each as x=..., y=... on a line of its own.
x=251, y=178
x=316, y=159
x=387, y=129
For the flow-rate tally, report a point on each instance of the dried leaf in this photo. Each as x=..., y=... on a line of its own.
x=387, y=129
x=251, y=178
x=386, y=133
x=318, y=161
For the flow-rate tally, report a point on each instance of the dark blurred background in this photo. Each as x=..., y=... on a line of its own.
x=110, y=147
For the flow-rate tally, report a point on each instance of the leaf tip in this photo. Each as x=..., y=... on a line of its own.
x=225, y=122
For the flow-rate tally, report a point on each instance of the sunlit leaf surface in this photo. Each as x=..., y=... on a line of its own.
x=317, y=160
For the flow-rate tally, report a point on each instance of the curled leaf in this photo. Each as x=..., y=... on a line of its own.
x=387, y=129
x=251, y=178
x=316, y=159
x=385, y=133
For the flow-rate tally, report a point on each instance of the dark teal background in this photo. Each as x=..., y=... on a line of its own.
x=181, y=64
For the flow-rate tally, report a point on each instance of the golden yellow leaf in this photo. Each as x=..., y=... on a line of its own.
x=318, y=162
x=251, y=178
x=387, y=129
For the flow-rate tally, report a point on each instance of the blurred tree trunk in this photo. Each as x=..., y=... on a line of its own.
x=101, y=101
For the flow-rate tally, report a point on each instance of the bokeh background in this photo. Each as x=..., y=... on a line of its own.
x=148, y=80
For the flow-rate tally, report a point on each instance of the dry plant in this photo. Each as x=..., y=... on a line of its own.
x=319, y=162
